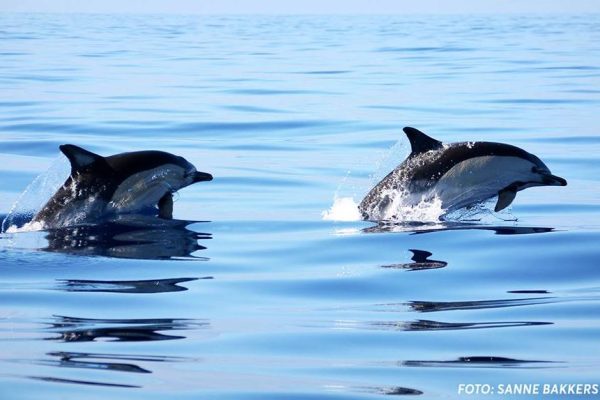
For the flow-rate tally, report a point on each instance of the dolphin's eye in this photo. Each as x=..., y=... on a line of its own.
x=535, y=170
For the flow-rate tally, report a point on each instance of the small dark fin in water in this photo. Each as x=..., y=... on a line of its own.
x=165, y=206
x=505, y=197
x=420, y=142
x=79, y=158
x=420, y=256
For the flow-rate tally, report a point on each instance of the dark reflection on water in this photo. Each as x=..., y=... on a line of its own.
x=80, y=382
x=105, y=362
x=391, y=391
x=84, y=360
x=533, y=291
x=435, y=306
x=72, y=329
x=143, y=286
x=428, y=325
x=482, y=362
x=421, y=262
x=432, y=306
x=399, y=391
x=126, y=357
x=134, y=238
x=419, y=228
x=498, y=230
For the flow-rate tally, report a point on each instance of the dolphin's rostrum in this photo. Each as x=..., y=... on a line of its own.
x=126, y=183
x=458, y=174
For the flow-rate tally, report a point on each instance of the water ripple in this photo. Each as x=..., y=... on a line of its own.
x=541, y=101
x=326, y=72
x=433, y=49
x=277, y=92
x=254, y=109
x=81, y=382
x=74, y=329
x=428, y=325
x=139, y=128
x=482, y=362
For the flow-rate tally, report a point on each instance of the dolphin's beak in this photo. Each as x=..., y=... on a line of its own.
x=553, y=180
x=202, y=176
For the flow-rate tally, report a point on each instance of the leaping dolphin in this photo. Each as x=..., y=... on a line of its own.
x=458, y=174
x=125, y=183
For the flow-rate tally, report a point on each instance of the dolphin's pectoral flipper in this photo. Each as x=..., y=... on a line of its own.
x=505, y=197
x=78, y=157
x=165, y=206
x=420, y=142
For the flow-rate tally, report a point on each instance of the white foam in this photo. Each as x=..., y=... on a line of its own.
x=32, y=226
x=343, y=209
x=401, y=206
x=399, y=210
x=427, y=210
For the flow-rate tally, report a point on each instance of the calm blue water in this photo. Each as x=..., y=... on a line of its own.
x=258, y=297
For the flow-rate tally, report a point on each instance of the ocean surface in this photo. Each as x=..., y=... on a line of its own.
x=259, y=289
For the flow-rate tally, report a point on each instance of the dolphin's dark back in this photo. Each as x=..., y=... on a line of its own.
x=137, y=161
x=459, y=152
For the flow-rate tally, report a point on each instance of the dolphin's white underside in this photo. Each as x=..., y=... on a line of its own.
x=480, y=178
x=144, y=189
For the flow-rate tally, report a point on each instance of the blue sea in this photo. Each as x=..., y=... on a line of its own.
x=260, y=288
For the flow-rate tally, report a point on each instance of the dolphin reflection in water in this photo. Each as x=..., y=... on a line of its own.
x=133, y=237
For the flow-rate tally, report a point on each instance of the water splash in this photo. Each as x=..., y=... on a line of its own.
x=398, y=205
x=343, y=209
x=31, y=226
x=34, y=197
x=389, y=159
x=427, y=210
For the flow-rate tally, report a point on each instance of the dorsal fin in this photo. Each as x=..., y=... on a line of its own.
x=78, y=157
x=420, y=142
